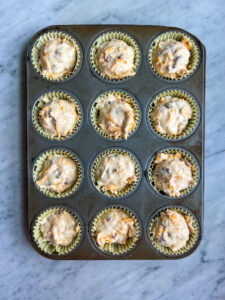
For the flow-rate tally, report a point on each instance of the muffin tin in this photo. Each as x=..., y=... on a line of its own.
x=85, y=86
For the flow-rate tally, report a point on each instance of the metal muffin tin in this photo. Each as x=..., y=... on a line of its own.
x=85, y=86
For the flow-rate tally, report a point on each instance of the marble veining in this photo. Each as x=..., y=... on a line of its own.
x=26, y=275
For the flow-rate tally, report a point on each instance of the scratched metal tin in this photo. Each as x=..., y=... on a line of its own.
x=85, y=85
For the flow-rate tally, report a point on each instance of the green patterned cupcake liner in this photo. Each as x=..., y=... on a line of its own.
x=194, y=60
x=114, y=248
x=46, y=246
x=185, y=155
x=40, y=163
x=106, y=37
x=50, y=35
x=94, y=114
x=193, y=237
x=39, y=104
x=130, y=188
x=192, y=123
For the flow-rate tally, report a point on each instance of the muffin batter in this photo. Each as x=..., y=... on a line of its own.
x=59, y=228
x=114, y=226
x=58, y=117
x=59, y=173
x=115, y=59
x=171, y=115
x=57, y=58
x=172, y=174
x=115, y=172
x=172, y=230
x=116, y=116
x=171, y=58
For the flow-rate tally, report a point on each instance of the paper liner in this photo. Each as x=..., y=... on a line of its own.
x=130, y=188
x=42, y=39
x=40, y=104
x=94, y=115
x=46, y=246
x=108, y=36
x=39, y=165
x=193, y=237
x=184, y=155
x=117, y=249
x=192, y=123
x=178, y=36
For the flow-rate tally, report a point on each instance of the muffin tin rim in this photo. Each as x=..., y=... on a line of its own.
x=151, y=100
x=108, y=90
x=75, y=99
x=106, y=80
x=175, y=256
x=36, y=158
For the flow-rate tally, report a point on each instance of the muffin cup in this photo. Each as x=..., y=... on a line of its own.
x=117, y=249
x=108, y=36
x=130, y=188
x=194, y=60
x=42, y=39
x=47, y=247
x=94, y=113
x=39, y=165
x=192, y=123
x=193, y=237
x=185, y=155
x=39, y=104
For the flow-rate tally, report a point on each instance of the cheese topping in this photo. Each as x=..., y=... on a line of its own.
x=115, y=59
x=59, y=173
x=58, y=117
x=172, y=229
x=59, y=228
x=57, y=58
x=116, y=116
x=171, y=58
x=171, y=115
x=172, y=173
x=115, y=172
x=114, y=226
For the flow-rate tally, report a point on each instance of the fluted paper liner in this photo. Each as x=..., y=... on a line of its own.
x=39, y=165
x=46, y=246
x=185, y=156
x=130, y=187
x=41, y=40
x=95, y=113
x=192, y=123
x=108, y=36
x=114, y=248
x=178, y=36
x=193, y=237
x=40, y=104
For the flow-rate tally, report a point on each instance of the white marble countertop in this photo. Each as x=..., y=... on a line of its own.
x=24, y=274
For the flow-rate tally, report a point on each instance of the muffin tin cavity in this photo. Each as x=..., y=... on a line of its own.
x=193, y=237
x=127, y=131
x=130, y=188
x=95, y=111
x=177, y=35
x=58, y=95
x=49, y=36
x=109, y=36
x=193, y=122
x=186, y=156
